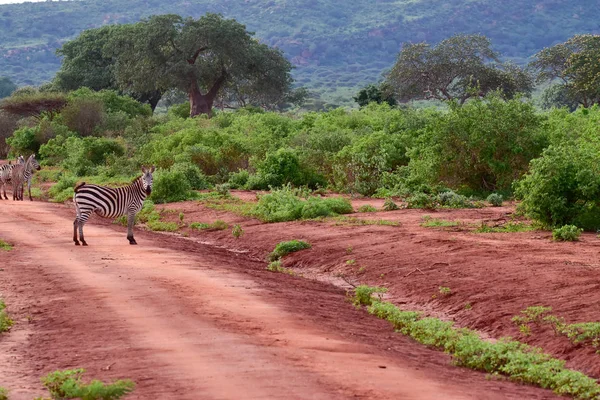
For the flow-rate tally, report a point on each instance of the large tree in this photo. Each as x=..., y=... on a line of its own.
x=458, y=68
x=88, y=62
x=202, y=57
x=575, y=66
x=7, y=87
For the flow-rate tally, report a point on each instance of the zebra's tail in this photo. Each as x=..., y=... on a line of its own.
x=79, y=186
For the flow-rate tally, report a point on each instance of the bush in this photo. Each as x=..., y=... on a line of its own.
x=389, y=205
x=5, y=321
x=284, y=248
x=422, y=200
x=195, y=177
x=112, y=102
x=63, y=189
x=84, y=156
x=367, y=208
x=238, y=180
x=567, y=233
x=283, y=167
x=495, y=199
x=563, y=186
x=83, y=115
x=68, y=385
x=453, y=200
x=170, y=186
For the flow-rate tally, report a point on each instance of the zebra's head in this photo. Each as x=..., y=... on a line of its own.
x=33, y=162
x=147, y=179
x=20, y=160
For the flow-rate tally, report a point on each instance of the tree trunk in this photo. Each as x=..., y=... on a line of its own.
x=199, y=103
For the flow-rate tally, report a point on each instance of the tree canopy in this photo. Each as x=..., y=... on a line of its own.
x=6, y=87
x=575, y=64
x=204, y=57
x=458, y=68
x=375, y=93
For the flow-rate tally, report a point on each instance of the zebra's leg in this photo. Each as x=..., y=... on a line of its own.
x=75, y=223
x=130, y=223
x=2, y=187
x=81, y=222
x=29, y=188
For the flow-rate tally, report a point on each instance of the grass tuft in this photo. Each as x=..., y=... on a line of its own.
x=284, y=248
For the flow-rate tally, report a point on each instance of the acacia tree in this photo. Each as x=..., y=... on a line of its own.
x=458, y=68
x=201, y=57
x=575, y=64
x=87, y=62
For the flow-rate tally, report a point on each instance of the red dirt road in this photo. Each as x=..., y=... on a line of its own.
x=191, y=321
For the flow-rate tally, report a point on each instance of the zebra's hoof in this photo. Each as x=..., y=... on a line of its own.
x=76, y=243
x=84, y=243
x=132, y=241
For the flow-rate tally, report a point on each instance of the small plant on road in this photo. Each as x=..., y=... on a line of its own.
x=363, y=294
x=161, y=226
x=445, y=291
x=275, y=266
x=237, y=231
x=566, y=233
x=367, y=208
x=495, y=199
x=389, y=205
x=5, y=246
x=285, y=248
x=68, y=385
x=3, y=394
x=181, y=217
x=5, y=321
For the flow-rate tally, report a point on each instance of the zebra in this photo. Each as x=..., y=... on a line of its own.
x=111, y=202
x=6, y=174
x=22, y=173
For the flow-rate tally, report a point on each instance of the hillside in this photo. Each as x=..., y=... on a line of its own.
x=336, y=49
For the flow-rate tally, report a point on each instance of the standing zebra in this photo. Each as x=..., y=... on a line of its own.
x=6, y=174
x=22, y=173
x=111, y=202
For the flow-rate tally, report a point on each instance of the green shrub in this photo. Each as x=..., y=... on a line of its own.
x=84, y=156
x=5, y=246
x=364, y=294
x=284, y=248
x=3, y=394
x=453, y=200
x=218, y=225
x=68, y=385
x=563, y=185
x=238, y=180
x=237, y=231
x=83, y=115
x=315, y=207
x=284, y=167
x=495, y=199
x=422, y=200
x=63, y=189
x=279, y=205
x=389, y=205
x=367, y=208
x=112, y=102
x=5, y=322
x=195, y=177
x=161, y=226
x=170, y=186
x=567, y=233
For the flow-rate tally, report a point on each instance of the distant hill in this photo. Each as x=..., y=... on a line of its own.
x=336, y=46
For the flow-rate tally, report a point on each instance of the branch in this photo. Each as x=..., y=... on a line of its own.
x=192, y=60
x=218, y=83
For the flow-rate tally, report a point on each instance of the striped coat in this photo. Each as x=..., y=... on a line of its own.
x=6, y=174
x=23, y=173
x=111, y=203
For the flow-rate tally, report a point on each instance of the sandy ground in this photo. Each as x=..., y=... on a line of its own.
x=187, y=320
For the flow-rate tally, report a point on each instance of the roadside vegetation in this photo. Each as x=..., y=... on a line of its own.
x=5, y=322
x=506, y=357
x=68, y=384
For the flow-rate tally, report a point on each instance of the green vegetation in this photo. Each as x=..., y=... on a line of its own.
x=429, y=222
x=367, y=208
x=218, y=225
x=517, y=361
x=162, y=226
x=3, y=394
x=583, y=333
x=566, y=233
x=68, y=385
x=445, y=291
x=5, y=246
x=275, y=266
x=237, y=231
x=504, y=228
x=352, y=221
x=495, y=199
x=284, y=248
x=5, y=321
x=389, y=205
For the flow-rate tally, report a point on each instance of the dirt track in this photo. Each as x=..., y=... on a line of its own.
x=198, y=323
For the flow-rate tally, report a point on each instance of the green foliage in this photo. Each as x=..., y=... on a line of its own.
x=429, y=222
x=170, y=186
x=281, y=168
x=566, y=233
x=483, y=145
x=3, y=394
x=113, y=102
x=367, y=208
x=237, y=231
x=375, y=93
x=508, y=227
x=194, y=175
x=86, y=155
x=422, y=200
x=284, y=248
x=389, y=205
x=68, y=385
x=457, y=68
x=517, y=361
x=445, y=291
x=28, y=140
x=495, y=199
x=162, y=226
x=5, y=246
x=275, y=266
x=363, y=295
x=284, y=205
x=218, y=225
x=63, y=189
x=453, y=200
x=238, y=180
x=5, y=322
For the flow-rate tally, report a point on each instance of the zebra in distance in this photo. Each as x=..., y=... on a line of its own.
x=23, y=173
x=110, y=202
x=6, y=174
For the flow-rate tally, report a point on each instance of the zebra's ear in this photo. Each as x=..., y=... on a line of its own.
x=152, y=169
x=144, y=170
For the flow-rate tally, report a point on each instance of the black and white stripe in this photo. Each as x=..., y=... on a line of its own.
x=6, y=174
x=111, y=203
x=22, y=173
